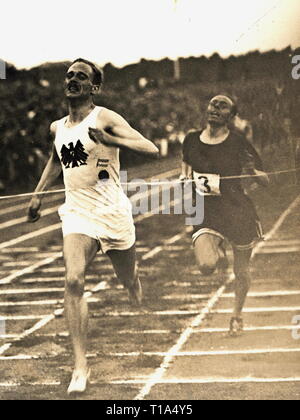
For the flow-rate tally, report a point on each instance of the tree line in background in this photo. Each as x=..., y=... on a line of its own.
x=159, y=98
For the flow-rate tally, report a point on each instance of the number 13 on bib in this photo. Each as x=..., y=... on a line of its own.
x=207, y=184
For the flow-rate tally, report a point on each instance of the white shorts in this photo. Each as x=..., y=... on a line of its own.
x=117, y=235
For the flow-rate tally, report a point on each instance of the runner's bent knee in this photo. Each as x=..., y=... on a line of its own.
x=128, y=277
x=207, y=255
x=75, y=282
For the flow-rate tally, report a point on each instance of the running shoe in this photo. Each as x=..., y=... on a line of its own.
x=33, y=215
x=79, y=383
x=135, y=293
x=236, y=327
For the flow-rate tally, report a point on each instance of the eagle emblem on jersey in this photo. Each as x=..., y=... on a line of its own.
x=73, y=156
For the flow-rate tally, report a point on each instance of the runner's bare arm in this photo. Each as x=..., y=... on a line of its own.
x=49, y=175
x=262, y=178
x=254, y=165
x=186, y=171
x=249, y=132
x=114, y=130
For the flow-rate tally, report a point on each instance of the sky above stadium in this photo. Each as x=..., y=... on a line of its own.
x=124, y=31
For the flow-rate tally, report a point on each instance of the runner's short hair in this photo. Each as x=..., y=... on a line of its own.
x=98, y=73
x=235, y=110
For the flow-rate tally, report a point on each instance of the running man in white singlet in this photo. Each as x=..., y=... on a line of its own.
x=96, y=213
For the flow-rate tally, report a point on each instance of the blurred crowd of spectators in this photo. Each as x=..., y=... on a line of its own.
x=160, y=109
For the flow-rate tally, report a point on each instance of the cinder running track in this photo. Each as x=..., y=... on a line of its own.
x=177, y=347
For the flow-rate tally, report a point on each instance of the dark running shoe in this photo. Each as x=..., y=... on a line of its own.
x=135, y=293
x=236, y=327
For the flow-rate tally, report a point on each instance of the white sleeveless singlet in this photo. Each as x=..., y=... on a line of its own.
x=91, y=172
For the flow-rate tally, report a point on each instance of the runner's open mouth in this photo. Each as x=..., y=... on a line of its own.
x=73, y=87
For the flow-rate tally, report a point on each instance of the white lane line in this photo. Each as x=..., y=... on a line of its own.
x=156, y=211
x=5, y=258
x=37, y=357
x=44, y=320
x=175, y=381
x=8, y=336
x=267, y=294
x=53, y=269
x=278, y=224
x=24, y=206
x=18, y=384
x=46, y=302
x=19, y=357
x=30, y=235
x=272, y=249
x=170, y=332
x=282, y=250
x=20, y=317
x=197, y=321
x=178, y=381
x=145, y=313
x=178, y=354
x=30, y=269
x=186, y=297
x=42, y=280
x=167, y=242
x=31, y=291
x=143, y=195
x=19, y=220
x=21, y=250
x=142, y=249
x=286, y=242
x=45, y=280
x=62, y=269
x=260, y=310
x=172, y=248
x=193, y=284
x=278, y=293
x=207, y=353
x=249, y=329
x=65, y=334
x=171, y=354
x=41, y=255
x=18, y=264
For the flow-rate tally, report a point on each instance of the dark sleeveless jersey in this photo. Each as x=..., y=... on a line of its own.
x=229, y=211
x=225, y=159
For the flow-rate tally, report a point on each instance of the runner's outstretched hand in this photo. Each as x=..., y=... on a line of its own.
x=33, y=213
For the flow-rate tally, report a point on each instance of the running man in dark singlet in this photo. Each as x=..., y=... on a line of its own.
x=208, y=156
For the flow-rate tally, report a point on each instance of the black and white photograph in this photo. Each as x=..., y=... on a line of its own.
x=150, y=203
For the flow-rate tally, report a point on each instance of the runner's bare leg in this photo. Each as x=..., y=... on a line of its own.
x=242, y=279
x=126, y=268
x=207, y=252
x=79, y=251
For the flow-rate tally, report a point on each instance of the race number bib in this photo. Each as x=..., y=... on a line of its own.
x=207, y=184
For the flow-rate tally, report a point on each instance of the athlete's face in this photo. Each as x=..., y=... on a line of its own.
x=219, y=111
x=79, y=81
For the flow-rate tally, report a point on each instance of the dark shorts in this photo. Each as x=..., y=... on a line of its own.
x=234, y=219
